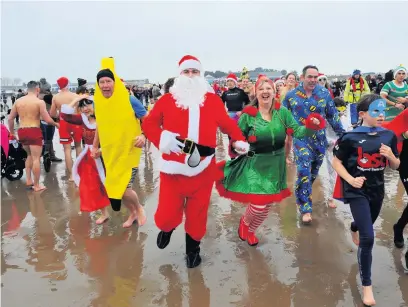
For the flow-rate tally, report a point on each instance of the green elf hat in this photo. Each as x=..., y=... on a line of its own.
x=399, y=68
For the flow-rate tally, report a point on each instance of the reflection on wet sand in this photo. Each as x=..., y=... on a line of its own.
x=263, y=287
x=58, y=257
x=322, y=257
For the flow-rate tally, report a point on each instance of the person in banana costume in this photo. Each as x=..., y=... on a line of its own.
x=120, y=138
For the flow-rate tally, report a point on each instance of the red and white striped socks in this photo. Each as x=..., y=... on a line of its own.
x=255, y=215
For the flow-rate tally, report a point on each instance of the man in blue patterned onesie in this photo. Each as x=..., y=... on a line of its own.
x=309, y=152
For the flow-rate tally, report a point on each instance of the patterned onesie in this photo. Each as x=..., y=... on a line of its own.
x=310, y=151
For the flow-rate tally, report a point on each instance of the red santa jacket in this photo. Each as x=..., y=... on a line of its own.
x=197, y=124
x=398, y=125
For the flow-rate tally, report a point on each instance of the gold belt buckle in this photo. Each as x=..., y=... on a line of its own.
x=191, y=143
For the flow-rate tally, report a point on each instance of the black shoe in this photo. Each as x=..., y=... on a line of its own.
x=398, y=237
x=193, y=258
x=55, y=159
x=163, y=239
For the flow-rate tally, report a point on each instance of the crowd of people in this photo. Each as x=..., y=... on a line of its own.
x=268, y=122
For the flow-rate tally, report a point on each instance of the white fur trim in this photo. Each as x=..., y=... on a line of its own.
x=190, y=64
x=66, y=109
x=98, y=162
x=210, y=89
x=243, y=145
x=193, y=123
x=177, y=168
x=399, y=69
x=86, y=122
x=166, y=139
x=231, y=79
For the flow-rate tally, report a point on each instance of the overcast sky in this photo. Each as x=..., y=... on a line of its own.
x=147, y=39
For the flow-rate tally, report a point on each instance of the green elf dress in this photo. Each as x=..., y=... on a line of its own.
x=259, y=177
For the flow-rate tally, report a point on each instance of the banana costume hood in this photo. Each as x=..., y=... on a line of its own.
x=117, y=129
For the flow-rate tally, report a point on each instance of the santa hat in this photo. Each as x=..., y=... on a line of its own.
x=62, y=82
x=189, y=61
x=399, y=68
x=232, y=77
x=279, y=81
x=321, y=76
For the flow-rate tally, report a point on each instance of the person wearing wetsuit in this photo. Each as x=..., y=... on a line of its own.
x=235, y=98
x=360, y=158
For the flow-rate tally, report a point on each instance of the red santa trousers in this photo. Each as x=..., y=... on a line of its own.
x=182, y=194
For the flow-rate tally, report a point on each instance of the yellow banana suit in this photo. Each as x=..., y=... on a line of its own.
x=117, y=128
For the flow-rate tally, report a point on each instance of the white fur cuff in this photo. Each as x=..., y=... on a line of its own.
x=66, y=109
x=243, y=145
x=166, y=140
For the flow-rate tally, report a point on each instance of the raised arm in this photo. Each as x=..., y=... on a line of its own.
x=68, y=111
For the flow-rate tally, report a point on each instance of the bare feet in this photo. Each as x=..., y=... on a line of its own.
x=368, y=296
x=355, y=237
x=141, y=216
x=39, y=188
x=130, y=220
x=307, y=218
x=102, y=219
x=332, y=204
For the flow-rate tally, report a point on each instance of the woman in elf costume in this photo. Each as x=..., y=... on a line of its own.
x=259, y=178
x=88, y=173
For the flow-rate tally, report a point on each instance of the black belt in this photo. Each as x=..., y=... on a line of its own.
x=190, y=145
x=263, y=150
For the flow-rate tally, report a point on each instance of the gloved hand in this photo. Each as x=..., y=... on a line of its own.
x=169, y=143
x=241, y=147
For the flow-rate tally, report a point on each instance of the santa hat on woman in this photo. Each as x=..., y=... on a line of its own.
x=189, y=62
x=399, y=68
x=232, y=77
x=321, y=76
x=279, y=81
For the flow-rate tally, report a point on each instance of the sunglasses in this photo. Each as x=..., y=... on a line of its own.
x=85, y=102
x=324, y=79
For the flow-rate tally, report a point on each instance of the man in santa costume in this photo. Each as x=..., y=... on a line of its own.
x=183, y=126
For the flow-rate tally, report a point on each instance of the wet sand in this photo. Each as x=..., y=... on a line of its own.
x=52, y=256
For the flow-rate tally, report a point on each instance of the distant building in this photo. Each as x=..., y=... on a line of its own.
x=253, y=75
x=210, y=79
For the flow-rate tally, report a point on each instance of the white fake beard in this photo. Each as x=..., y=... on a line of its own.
x=189, y=92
